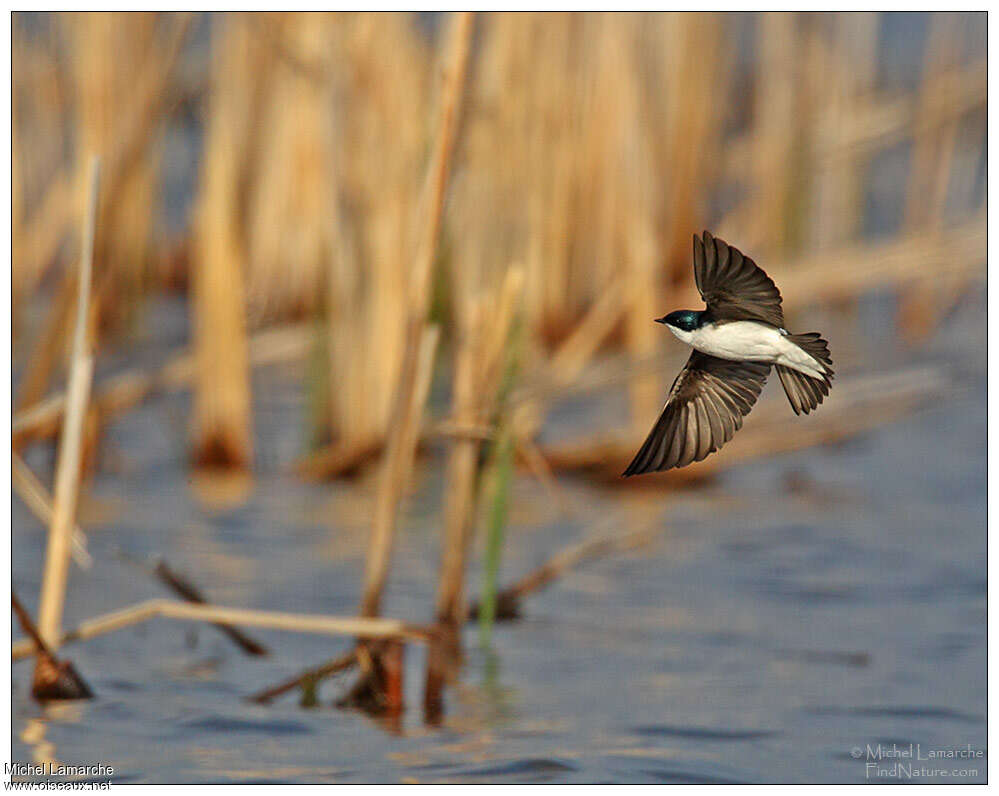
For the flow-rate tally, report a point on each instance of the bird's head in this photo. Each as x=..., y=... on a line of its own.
x=684, y=320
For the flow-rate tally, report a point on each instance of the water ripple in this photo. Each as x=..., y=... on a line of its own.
x=702, y=733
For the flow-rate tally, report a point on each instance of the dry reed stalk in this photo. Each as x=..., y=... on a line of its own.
x=16, y=173
x=395, y=474
x=310, y=65
x=462, y=464
x=695, y=66
x=37, y=238
x=525, y=158
x=934, y=142
x=421, y=342
x=636, y=244
x=38, y=104
x=37, y=498
x=434, y=194
x=109, y=52
x=503, y=315
x=447, y=429
x=188, y=591
x=343, y=340
x=290, y=235
x=775, y=117
x=489, y=131
x=67, y=480
x=645, y=303
x=482, y=351
x=380, y=680
x=921, y=306
x=342, y=459
x=830, y=97
x=393, y=287
x=50, y=346
x=94, y=627
x=42, y=202
x=382, y=74
x=222, y=421
x=373, y=628
x=121, y=104
x=362, y=627
x=482, y=356
x=857, y=45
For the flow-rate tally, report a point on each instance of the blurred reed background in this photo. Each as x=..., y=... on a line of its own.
x=280, y=171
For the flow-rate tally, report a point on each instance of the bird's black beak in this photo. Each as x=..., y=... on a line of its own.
x=661, y=320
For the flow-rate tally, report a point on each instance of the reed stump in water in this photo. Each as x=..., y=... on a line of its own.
x=222, y=429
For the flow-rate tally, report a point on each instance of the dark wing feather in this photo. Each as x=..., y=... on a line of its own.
x=704, y=409
x=732, y=285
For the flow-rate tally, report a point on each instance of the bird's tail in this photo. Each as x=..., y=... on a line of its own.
x=805, y=392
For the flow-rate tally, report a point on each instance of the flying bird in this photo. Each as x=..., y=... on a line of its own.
x=736, y=340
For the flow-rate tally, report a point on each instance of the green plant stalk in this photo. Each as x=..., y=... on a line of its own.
x=501, y=467
x=501, y=471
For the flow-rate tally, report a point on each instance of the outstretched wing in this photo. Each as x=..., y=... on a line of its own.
x=732, y=285
x=704, y=409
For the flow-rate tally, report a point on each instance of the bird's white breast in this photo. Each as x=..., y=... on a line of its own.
x=747, y=341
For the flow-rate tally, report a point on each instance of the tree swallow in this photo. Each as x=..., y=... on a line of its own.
x=736, y=340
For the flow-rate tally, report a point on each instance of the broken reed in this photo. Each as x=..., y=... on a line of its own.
x=37, y=498
x=68, y=466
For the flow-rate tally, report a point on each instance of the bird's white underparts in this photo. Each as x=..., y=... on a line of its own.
x=748, y=341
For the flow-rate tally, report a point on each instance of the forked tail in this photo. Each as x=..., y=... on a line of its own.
x=805, y=392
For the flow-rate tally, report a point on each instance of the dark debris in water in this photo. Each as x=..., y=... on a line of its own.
x=682, y=776
x=227, y=724
x=899, y=712
x=530, y=769
x=834, y=657
x=702, y=733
